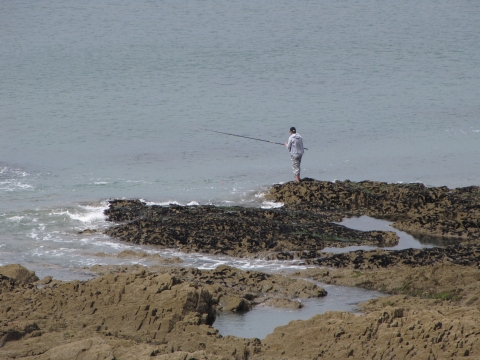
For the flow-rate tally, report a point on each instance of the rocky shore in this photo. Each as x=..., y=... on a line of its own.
x=236, y=231
x=135, y=313
x=168, y=311
x=415, y=208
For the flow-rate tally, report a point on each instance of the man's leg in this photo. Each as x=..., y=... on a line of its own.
x=297, y=176
x=296, y=166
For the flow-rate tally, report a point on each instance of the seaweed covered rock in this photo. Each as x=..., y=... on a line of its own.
x=462, y=254
x=236, y=231
x=416, y=208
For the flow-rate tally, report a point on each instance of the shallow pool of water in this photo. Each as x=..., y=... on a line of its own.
x=262, y=320
x=367, y=223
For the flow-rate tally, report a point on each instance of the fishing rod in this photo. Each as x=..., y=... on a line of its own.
x=246, y=137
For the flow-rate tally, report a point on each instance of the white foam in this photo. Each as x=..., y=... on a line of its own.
x=165, y=203
x=86, y=214
x=61, y=252
x=33, y=235
x=209, y=262
x=101, y=183
x=271, y=205
x=193, y=203
x=13, y=172
x=13, y=185
x=16, y=218
x=92, y=214
x=107, y=243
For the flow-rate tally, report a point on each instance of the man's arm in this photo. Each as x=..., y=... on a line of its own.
x=289, y=144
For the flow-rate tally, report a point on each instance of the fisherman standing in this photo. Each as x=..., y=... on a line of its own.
x=295, y=147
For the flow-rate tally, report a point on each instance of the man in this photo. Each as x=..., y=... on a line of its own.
x=295, y=146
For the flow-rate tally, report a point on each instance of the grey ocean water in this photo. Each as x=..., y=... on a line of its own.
x=104, y=100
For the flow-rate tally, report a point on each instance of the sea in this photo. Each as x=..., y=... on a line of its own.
x=103, y=100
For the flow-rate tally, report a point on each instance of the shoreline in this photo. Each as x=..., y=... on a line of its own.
x=166, y=312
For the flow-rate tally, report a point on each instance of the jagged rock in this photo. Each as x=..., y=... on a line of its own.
x=143, y=315
x=235, y=304
x=463, y=254
x=443, y=281
x=144, y=307
x=232, y=289
x=416, y=208
x=45, y=281
x=18, y=274
x=390, y=333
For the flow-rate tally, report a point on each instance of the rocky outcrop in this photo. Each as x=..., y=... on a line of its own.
x=462, y=254
x=72, y=320
x=147, y=306
x=305, y=225
x=416, y=208
x=390, y=333
x=233, y=289
x=18, y=274
x=235, y=231
x=156, y=314
x=442, y=281
x=144, y=315
x=432, y=318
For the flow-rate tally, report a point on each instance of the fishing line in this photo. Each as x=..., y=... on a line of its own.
x=247, y=137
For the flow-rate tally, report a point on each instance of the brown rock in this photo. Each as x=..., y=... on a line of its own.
x=442, y=281
x=141, y=315
x=390, y=333
x=232, y=289
x=85, y=349
x=235, y=304
x=18, y=273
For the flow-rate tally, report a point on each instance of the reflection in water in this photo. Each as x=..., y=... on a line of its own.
x=406, y=241
x=261, y=321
